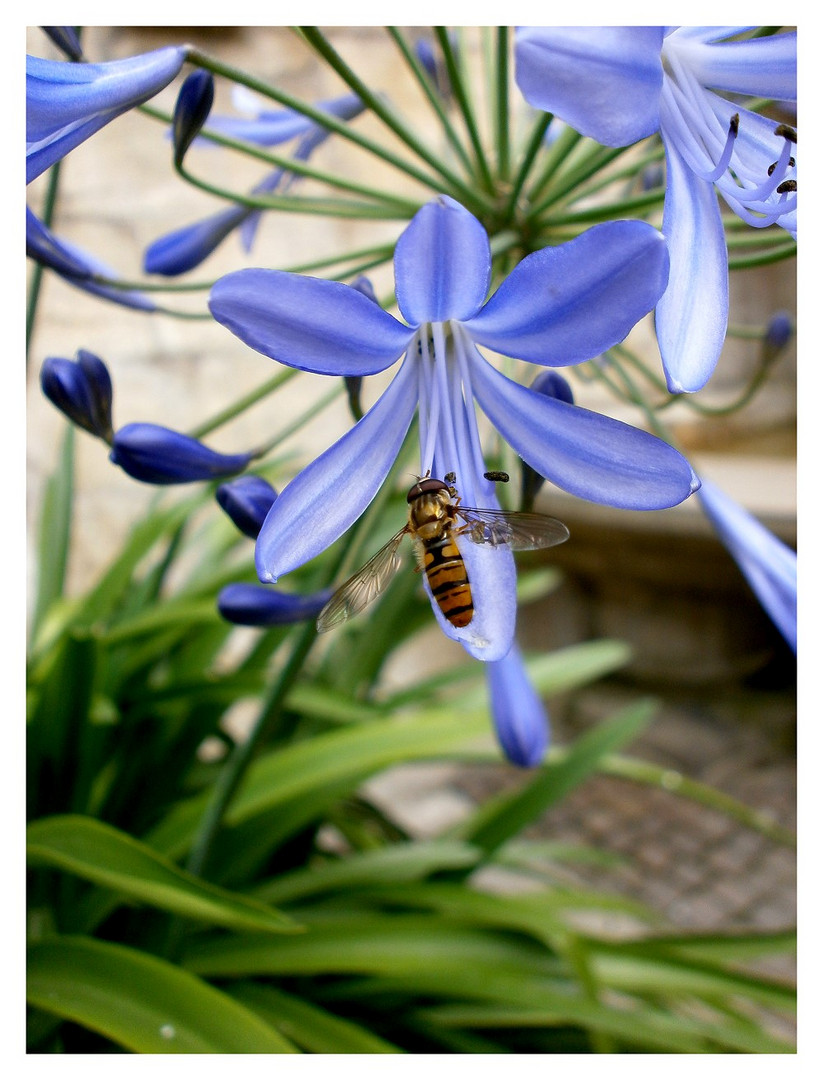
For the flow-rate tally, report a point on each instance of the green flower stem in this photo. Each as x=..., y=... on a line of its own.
x=629, y=172
x=501, y=100
x=303, y=204
x=533, y=148
x=569, y=180
x=468, y=194
x=464, y=104
x=776, y=254
x=292, y=165
x=243, y=403
x=608, y=211
x=431, y=96
x=756, y=238
x=555, y=155
x=36, y=279
x=237, y=75
x=303, y=418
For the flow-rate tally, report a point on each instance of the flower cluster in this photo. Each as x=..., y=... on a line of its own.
x=558, y=306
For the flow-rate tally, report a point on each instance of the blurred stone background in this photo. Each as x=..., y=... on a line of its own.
x=661, y=581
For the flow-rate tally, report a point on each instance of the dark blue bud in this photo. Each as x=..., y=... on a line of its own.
x=158, y=455
x=191, y=111
x=364, y=285
x=82, y=390
x=778, y=332
x=247, y=500
x=66, y=39
x=550, y=384
x=261, y=605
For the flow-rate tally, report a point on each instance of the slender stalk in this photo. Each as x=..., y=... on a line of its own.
x=303, y=418
x=501, y=125
x=464, y=104
x=556, y=155
x=568, y=183
x=622, y=208
x=36, y=279
x=432, y=97
x=291, y=165
x=535, y=145
x=777, y=253
x=378, y=106
x=237, y=75
x=243, y=403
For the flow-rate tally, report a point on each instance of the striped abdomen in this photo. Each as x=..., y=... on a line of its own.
x=448, y=580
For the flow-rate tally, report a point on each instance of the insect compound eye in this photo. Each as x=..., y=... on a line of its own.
x=425, y=487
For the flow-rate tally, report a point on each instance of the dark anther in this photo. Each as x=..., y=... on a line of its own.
x=734, y=124
x=787, y=185
x=786, y=132
x=773, y=165
x=497, y=475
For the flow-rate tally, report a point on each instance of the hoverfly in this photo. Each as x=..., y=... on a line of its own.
x=436, y=519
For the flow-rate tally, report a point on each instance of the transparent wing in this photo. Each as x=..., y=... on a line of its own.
x=362, y=587
x=521, y=532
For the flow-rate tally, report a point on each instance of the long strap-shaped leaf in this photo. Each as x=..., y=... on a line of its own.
x=142, y=1003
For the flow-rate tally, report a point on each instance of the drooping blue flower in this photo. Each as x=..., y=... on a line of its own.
x=66, y=102
x=76, y=266
x=159, y=455
x=621, y=84
x=521, y=720
x=559, y=306
x=184, y=249
x=82, y=390
x=247, y=500
x=261, y=605
x=769, y=565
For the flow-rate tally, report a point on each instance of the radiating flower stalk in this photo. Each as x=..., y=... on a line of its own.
x=537, y=225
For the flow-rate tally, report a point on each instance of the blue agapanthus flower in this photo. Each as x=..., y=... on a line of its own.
x=619, y=84
x=186, y=248
x=559, y=306
x=521, y=721
x=77, y=266
x=68, y=102
x=769, y=565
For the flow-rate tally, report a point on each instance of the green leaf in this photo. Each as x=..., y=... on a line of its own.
x=326, y=762
x=311, y=1028
x=395, y=862
x=142, y=1003
x=501, y=818
x=55, y=533
x=110, y=858
x=372, y=944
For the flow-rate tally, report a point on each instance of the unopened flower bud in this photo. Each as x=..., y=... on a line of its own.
x=191, y=111
x=82, y=390
x=261, y=605
x=247, y=500
x=158, y=455
x=66, y=39
x=778, y=335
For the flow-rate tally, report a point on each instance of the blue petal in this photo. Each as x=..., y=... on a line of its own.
x=184, y=249
x=158, y=455
x=604, y=81
x=693, y=313
x=247, y=500
x=308, y=323
x=565, y=304
x=66, y=103
x=768, y=564
x=761, y=67
x=260, y=605
x=442, y=264
x=520, y=717
x=76, y=266
x=331, y=493
x=589, y=455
